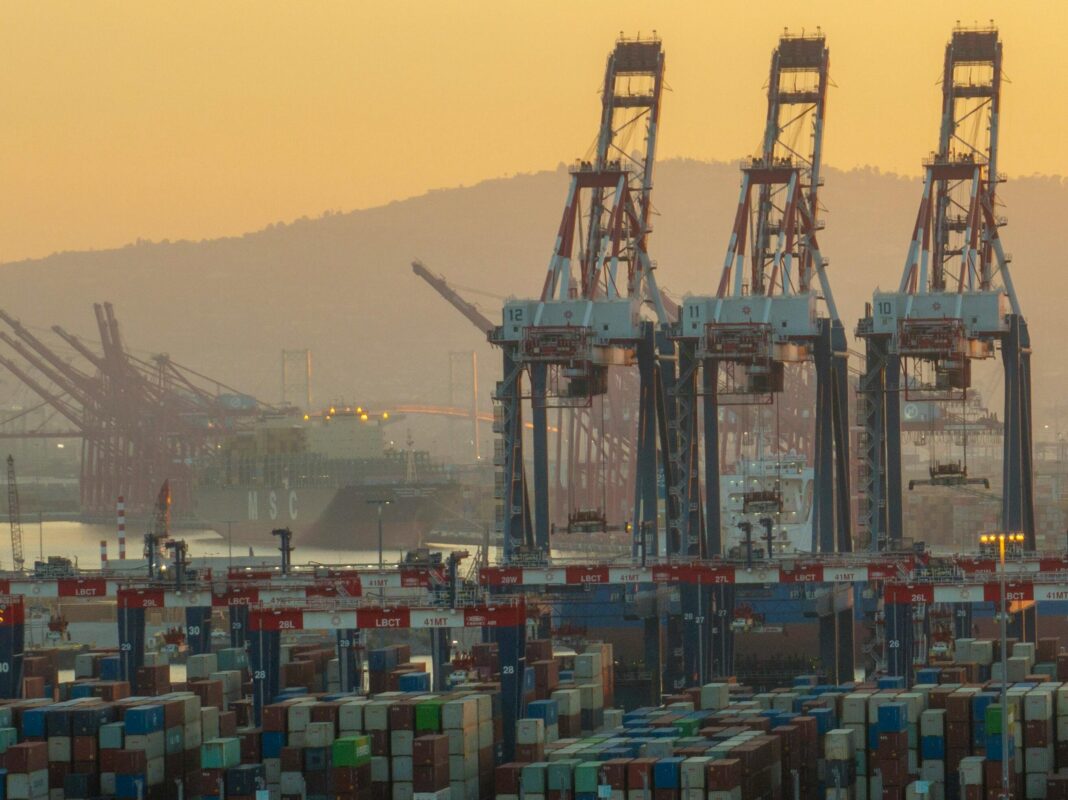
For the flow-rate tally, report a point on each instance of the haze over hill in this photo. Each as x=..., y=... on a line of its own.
x=342, y=285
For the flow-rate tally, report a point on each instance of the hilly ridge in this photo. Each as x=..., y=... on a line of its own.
x=341, y=284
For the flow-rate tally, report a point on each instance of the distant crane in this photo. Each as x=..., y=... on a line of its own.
x=13, y=515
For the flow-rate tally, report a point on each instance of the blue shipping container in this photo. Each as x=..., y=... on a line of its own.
x=143, y=719
x=666, y=773
x=933, y=747
x=893, y=718
x=545, y=710
x=109, y=668
x=271, y=743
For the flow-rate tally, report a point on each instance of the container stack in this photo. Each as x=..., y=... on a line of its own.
x=386, y=666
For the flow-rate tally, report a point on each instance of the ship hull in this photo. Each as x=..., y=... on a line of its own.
x=344, y=518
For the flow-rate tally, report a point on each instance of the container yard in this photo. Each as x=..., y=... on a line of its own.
x=720, y=563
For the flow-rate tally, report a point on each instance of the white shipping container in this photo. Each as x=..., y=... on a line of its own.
x=319, y=734
x=376, y=715
x=983, y=652
x=83, y=665
x=1038, y=706
x=209, y=722
x=292, y=783
x=485, y=734
x=1035, y=786
x=854, y=708
x=588, y=666
x=298, y=716
x=971, y=771
x=784, y=701
x=23, y=786
x=402, y=791
x=462, y=768
x=838, y=744
x=1019, y=669
x=715, y=696
x=350, y=716
x=734, y=793
x=154, y=771
x=933, y=769
x=201, y=666
x=933, y=722
x=401, y=767
x=59, y=749
x=916, y=702
x=692, y=772
x=530, y=731
x=962, y=650
x=400, y=742
x=568, y=701
x=380, y=769
x=463, y=741
x=591, y=695
x=461, y=713
x=1040, y=759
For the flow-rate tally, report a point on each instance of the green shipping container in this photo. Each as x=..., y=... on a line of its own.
x=220, y=753
x=352, y=751
x=428, y=716
x=559, y=779
x=532, y=778
x=8, y=737
x=586, y=776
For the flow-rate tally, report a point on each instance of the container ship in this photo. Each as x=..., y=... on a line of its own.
x=326, y=476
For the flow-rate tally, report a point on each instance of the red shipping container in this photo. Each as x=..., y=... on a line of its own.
x=209, y=692
x=57, y=774
x=275, y=717
x=529, y=753
x=615, y=773
x=430, y=749
x=26, y=757
x=895, y=772
x=401, y=717
x=83, y=748
x=958, y=735
x=1037, y=733
x=723, y=774
x=317, y=782
x=250, y=746
x=173, y=765
x=292, y=759
x=227, y=724
x=379, y=743
x=430, y=777
x=130, y=762
x=506, y=778
x=640, y=772
x=325, y=712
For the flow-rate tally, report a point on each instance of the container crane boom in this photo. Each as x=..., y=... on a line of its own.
x=441, y=286
x=13, y=515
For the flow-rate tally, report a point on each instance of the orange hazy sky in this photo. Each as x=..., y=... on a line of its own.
x=157, y=120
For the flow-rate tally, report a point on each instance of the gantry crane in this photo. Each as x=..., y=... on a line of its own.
x=955, y=303
x=773, y=312
x=588, y=319
x=14, y=515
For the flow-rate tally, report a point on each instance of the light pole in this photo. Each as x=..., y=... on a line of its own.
x=230, y=541
x=379, y=503
x=1000, y=540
